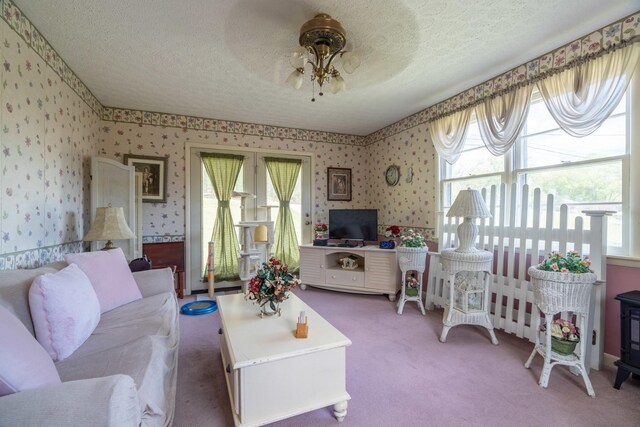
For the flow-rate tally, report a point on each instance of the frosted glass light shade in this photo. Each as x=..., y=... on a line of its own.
x=299, y=57
x=469, y=204
x=337, y=84
x=350, y=62
x=109, y=224
x=295, y=79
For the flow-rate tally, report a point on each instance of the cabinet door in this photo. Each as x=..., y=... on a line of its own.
x=312, y=268
x=381, y=271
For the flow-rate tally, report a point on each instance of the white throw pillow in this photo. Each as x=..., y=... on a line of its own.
x=64, y=309
x=24, y=364
x=110, y=276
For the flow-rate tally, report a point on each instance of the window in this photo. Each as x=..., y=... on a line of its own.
x=583, y=173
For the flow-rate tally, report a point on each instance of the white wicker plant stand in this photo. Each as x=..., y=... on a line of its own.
x=411, y=259
x=555, y=293
x=452, y=263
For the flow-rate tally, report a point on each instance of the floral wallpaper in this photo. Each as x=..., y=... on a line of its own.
x=51, y=124
x=167, y=221
x=48, y=133
x=412, y=202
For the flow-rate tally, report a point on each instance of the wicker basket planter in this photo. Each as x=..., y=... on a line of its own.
x=412, y=258
x=554, y=292
x=563, y=347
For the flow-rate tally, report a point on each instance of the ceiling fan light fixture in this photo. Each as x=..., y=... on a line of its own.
x=337, y=84
x=322, y=39
x=295, y=78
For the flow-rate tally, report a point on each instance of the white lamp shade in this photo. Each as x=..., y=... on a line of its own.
x=350, y=62
x=295, y=79
x=337, y=84
x=299, y=57
x=109, y=224
x=469, y=204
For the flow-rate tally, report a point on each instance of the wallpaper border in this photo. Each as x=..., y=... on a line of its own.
x=617, y=34
x=19, y=23
x=126, y=115
x=34, y=258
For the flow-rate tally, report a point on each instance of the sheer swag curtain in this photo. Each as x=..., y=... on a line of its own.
x=223, y=170
x=501, y=119
x=284, y=175
x=448, y=134
x=581, y=98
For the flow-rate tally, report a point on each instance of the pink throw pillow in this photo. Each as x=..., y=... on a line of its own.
x=64, y=309
x=110, y=276
x=24, y=364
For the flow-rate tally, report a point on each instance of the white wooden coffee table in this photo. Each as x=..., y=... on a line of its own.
x=271, y=375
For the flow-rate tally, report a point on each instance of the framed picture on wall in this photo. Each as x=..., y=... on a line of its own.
x=154, y=176
x=339, y=184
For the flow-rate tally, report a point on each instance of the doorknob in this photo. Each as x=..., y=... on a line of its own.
x=307, y=223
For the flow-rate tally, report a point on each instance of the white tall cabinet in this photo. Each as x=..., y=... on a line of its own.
x=377, y=271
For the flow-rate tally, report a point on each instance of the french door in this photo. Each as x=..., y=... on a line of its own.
x=254, y=179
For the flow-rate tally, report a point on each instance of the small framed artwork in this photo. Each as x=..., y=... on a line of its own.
x=154, y=176
x=339, y=184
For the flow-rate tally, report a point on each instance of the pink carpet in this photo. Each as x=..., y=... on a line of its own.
x=399, y=374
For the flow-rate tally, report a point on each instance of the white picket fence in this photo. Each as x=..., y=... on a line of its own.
x=518, y=231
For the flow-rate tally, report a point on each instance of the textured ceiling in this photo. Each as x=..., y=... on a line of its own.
x=230, y=59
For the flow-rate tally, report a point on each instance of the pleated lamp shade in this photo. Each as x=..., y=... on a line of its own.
x=469, y=204
x=109, y=224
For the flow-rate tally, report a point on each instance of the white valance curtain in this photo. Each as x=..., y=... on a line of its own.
x=581, y=98
x=501, y=119
x=448, y=134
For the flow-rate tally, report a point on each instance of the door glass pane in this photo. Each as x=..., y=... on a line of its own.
x=210, y=209
x=295, y=205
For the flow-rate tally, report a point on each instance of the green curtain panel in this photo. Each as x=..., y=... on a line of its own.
x=284, y=174
x=223, y=170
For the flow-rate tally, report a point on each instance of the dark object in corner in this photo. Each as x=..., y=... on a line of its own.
x=140, y=264
x=387, y=244
x=320, y=242
x=629, y=362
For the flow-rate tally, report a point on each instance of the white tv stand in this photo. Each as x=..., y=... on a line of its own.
x=377, y=271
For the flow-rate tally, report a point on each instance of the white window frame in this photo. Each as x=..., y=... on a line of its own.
x=630, y=178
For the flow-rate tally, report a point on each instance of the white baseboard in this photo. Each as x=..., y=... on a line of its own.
x=608, y=359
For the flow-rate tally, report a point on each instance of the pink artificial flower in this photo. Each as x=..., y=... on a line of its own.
x=564, y=270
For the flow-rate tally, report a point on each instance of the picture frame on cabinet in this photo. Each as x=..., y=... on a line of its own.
x=154, y=176
x=339, y=184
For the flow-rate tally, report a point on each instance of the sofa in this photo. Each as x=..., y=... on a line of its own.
x=124, y=374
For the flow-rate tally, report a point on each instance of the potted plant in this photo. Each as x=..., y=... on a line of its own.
x=562, y=283
x=270, y=286
x=392, y=232
x=320, y=229
x=564, y=336
x=557, y=270
x=412, y=251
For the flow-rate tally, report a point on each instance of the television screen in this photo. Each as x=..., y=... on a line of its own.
x=353, y=224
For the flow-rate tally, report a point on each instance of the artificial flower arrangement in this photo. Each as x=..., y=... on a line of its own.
x=320, y=229
x=392, y=231
x=271, y=285
x=571, y=263
x=412, y=239
x=564, y=330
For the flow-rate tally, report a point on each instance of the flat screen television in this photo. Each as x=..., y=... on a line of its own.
x=353, y=224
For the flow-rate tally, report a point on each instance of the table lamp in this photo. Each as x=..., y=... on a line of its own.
x=109, y=224
x=469, y=204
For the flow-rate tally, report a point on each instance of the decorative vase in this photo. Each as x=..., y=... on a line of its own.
x=270, y=309
x=563, y=347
